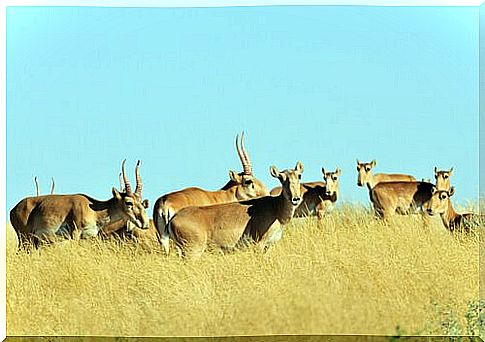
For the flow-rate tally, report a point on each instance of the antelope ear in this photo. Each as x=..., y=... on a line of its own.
x=451, y=171
x=234, y=176
x=373, y=163
x=358, y=162
x=338, y=171
x=116, y=193
x=435, y=171
x=452, y=191
x=433, y=190
x=145, y=204
x=323, y=171
x=299, y=166
x=274, y=171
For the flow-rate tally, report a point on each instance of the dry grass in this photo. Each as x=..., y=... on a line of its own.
x=346, y=275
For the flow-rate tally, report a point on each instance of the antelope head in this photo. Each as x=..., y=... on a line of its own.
x=331, y=180
x=130, y=204
x=438, y=203
x=247, y=186
x=442, y=178
x=290, y=182
x=364, y=172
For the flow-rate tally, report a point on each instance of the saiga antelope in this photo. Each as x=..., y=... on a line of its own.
x=241, y=186
x=440, y=203
x=124, y=228
x=403, y=198
x=442, y=178
x=228, y=225
x=316, y=196
x=76, y=216
x=365, y=176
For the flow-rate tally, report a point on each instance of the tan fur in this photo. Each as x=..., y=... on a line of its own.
x=403, y=198
x=366, y=177
x=442, y=178
x=316, y=196
x=229, y=225
x=440, y=203
x=44, y=218
x=241, y=186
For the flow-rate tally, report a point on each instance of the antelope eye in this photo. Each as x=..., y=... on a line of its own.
x=334, y=178
x=442, y=197
x=367, y=169
x=445, y=176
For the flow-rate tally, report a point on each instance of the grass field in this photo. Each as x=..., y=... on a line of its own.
x=348, y=274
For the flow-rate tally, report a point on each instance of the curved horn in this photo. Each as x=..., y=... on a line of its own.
x=53, y=186
x=240, y=154
x=37, y=191
x=247, y=165
x=139, y=184
x=122, y=188
x=125, y=180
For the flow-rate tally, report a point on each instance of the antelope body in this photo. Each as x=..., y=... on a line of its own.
x=44, y=218
x=229, y=225
x=241, y=186
x=440, y=203
x=400, y=197
x=316, y=196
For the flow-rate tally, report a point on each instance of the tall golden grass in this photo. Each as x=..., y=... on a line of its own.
x=348, y=274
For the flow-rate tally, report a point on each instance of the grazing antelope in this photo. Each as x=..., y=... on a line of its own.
x=43, y=218
x=37, y=189
x=440, y=203
x=241, y=186
x=228, y=225
x=316, y=196
x=365, y=175
x=442, y=178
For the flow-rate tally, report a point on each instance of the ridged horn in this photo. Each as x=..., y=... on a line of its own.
x=248, y=169
x=139, y=184
x=125, y=179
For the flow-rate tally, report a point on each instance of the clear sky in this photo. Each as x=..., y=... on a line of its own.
x=88, y=87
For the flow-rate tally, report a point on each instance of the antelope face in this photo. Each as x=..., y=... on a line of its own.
x=365, y=172
x=438, y=204
x=132, y=208
x=331, y=180
x=442, y=178
x=247, y=186
x=290, y=182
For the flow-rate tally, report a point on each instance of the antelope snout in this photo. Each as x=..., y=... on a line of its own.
x=328, y=193
x=295, y=201
x=429, y=211
x=359, y=183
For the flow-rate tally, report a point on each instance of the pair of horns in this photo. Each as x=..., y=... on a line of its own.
x=37, y=189
x=127, y=186
x=243, y=155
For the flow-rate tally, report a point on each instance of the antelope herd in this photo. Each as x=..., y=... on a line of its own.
x=242, y=212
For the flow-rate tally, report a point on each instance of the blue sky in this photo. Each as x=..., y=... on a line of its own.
x=90, y=86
